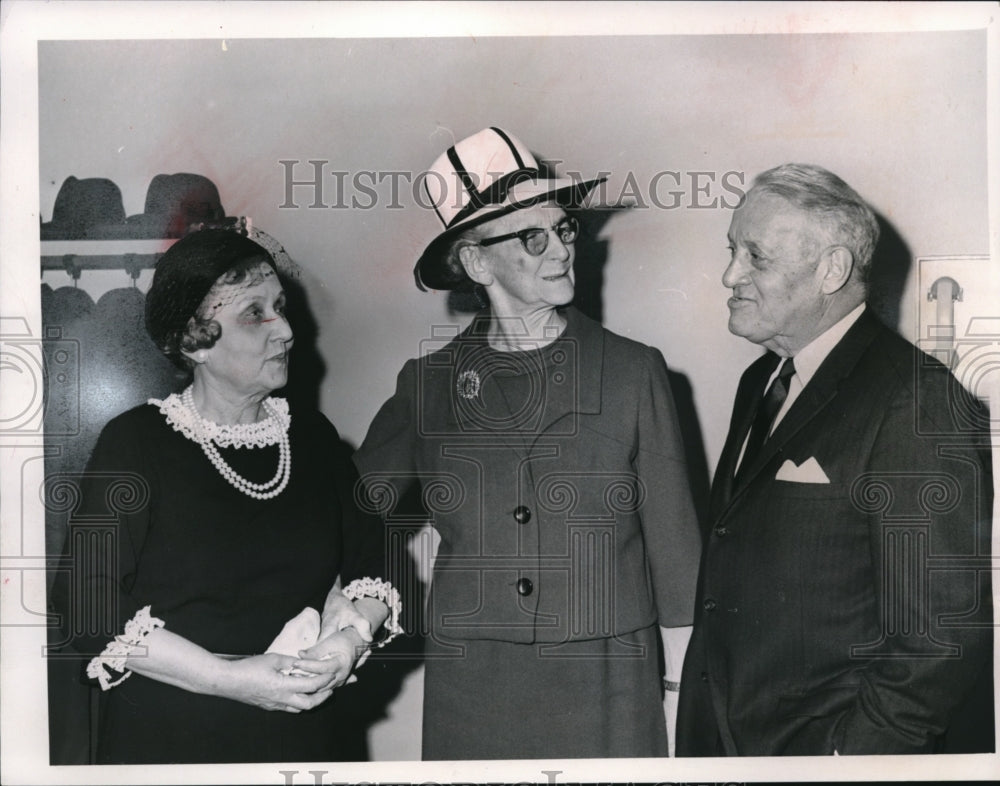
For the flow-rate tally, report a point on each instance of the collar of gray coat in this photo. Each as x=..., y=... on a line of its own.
x=588, y=338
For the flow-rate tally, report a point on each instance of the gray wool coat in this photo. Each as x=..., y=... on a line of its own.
x=555, y=478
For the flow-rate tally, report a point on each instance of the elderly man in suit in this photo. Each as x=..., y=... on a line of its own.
x=844, y=599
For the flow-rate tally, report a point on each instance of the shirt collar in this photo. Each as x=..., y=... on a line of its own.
x=812, y=355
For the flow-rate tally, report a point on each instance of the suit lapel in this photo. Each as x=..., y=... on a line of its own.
x=812, y=400
x=748, y=395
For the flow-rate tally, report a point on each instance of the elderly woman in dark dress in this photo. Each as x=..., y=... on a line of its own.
x=549, y=452
x=240, y=520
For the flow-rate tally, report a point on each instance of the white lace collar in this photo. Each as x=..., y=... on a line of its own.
x=180, y=413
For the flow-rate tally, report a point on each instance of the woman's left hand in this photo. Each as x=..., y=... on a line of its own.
x=339, y=612
x=335, y=656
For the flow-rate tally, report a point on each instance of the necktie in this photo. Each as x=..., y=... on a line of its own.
x=767, y=410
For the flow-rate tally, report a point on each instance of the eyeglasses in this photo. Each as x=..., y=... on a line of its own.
x=536, y=239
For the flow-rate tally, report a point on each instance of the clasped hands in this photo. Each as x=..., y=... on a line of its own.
x=293, y=684
x=336, y=656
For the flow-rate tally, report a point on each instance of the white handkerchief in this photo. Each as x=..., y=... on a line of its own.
x=809, y=471
x=299, y=633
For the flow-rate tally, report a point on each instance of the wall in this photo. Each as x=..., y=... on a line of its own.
x=900, y=116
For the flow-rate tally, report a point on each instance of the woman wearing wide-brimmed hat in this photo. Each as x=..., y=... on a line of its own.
x=549, y=453
x=233, y=515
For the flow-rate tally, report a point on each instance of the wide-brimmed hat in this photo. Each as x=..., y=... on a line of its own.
x=485, y=176
x=87, y=209
x=177, y=203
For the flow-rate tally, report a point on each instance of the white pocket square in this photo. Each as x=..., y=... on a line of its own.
x=809, y=471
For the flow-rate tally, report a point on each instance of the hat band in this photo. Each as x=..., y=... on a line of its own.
x=495, y=194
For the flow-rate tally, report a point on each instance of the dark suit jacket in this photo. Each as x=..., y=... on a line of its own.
x=851, y=615
x=570, y=476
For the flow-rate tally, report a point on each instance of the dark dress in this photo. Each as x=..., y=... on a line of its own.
x=556, y=480
x=219, y=568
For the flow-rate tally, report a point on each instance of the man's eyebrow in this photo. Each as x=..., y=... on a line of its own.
x=753, y=245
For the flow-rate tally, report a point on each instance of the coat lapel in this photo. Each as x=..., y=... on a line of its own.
x=811, y=401
x=748, y=396
x=583, y=340
x=573, y=387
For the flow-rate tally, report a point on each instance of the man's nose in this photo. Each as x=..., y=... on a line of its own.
x=735, y=272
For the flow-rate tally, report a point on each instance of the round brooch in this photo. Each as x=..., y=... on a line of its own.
x=468, y=384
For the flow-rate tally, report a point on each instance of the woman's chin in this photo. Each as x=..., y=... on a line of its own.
x=278, y=379
x=562, y=292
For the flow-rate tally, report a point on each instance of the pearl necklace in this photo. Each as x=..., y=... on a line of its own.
x=267, y=432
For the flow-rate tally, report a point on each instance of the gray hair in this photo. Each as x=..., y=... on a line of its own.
x=456, y=270
x=453, y=263
x=846, y=215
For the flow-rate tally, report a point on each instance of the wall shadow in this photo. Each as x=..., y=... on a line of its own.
x=695, y=456
x=591, y=258
x=891, y=265
x=307, y=369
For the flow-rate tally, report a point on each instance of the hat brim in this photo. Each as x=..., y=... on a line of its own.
x=431, y=270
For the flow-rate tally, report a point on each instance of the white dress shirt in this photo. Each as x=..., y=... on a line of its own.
x=807, y=361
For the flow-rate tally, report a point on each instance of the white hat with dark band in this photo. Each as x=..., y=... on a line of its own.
x=483, y=177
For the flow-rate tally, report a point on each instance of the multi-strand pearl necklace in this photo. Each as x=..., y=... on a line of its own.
x=183, y=415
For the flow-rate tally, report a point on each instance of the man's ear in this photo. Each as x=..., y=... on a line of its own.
x=475, y=265
x=839, y=266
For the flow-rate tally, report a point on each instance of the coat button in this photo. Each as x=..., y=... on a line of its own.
x=704, y=676
x=721, y=531
x=522, y=515
x=524, y=586
x=708, y=604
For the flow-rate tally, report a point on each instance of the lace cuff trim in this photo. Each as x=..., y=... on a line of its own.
x=385, y=592
x=114, y=656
